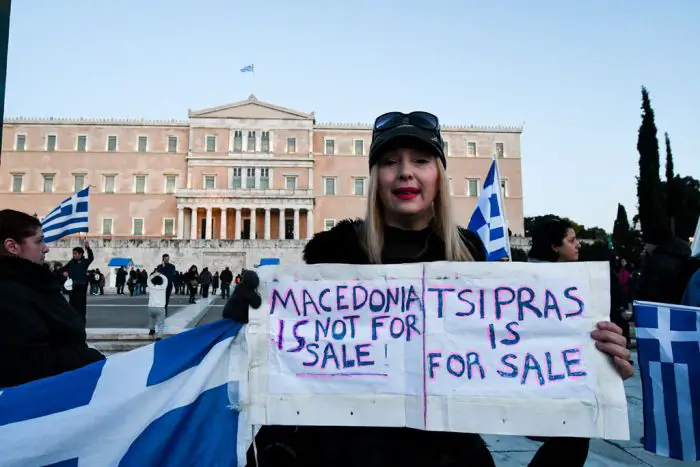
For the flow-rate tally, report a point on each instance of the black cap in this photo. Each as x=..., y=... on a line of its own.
x=406, y=136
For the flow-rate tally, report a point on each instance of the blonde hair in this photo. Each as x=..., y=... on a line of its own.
x=372, y=234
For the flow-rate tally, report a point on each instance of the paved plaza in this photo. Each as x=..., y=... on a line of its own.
x=112, y=313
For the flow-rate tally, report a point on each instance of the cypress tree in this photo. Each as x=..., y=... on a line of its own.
x=649, y=193
x=672, y=200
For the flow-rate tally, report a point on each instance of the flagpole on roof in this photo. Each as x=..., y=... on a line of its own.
x=501, y=197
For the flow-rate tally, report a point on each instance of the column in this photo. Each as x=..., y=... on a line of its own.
x=309, y=223
x=281, y=225
x=237, y=227
x=223, y=223
x=253, y=221
x=296, y=223
x=267, y=223
x=193, y=224
x=209, y=221
x=180, y=222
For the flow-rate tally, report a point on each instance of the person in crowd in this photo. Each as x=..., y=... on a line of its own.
x=409, y=219
x=168, y=270
x=131, y=283
x=215, y=283
x=94, y=279
x=157, y=301
x=226, y=279
x=143, y=281
x=77, y=270
x=624, y=278
x=691, y=296
x=100, y=282
x=205, y=279
x=664, y=274
x=178, y=283
x=192, y=278
x=244, y=296
x=41, y=335
x=121, y=280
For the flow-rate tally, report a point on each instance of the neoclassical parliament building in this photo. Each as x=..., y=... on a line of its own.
x=247, y=170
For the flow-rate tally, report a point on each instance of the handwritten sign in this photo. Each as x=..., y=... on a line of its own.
x=469, y=347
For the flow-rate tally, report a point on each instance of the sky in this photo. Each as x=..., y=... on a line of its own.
x=570, y=72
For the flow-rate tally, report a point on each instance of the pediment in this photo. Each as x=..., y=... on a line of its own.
x=251, y=108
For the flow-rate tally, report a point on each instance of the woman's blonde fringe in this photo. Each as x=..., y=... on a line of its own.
x=372, y=234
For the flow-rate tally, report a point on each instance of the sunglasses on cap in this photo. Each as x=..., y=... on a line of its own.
x=424, y=120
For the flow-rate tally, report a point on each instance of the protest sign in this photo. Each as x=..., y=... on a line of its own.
x=500, y=348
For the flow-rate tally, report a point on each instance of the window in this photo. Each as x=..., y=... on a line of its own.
x=329, y=186
x=250, y=177
x=17, y=183
x=291, y=145
x=111, y=143
x=168, y=226
x=471, y=149
x=211, y=143
x=108, y=185
x=499, y=150
x=107, y=226
x=328, y=224
x=264, y=179
x=48, y=183
x=170, y=183
x=143, y=143
x=504, y=188
x=20, y=142
x=359, y=187
x=330, y=147
x=172, y=143
x=140, y=184
x=446, y=147
x=290, y=182
x=78, y=182
x=473, y=187
x=51, y=143
x=210, y=182
x=137, y=226
x=237, y=183
x=265, y=142
x=238, y=141
x=81, y=143
x=251, y=141
x=359, y=147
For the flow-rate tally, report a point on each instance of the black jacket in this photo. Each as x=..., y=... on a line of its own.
x=663, y=278
x=78, y=269
x=243, y=297
x=372, y=446
x=41, y=335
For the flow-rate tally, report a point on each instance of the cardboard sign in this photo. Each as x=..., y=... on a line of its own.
x=468, y=347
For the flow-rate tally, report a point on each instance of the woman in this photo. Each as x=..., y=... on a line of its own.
x=41, y=335
x=409, y=219
x=192, y=280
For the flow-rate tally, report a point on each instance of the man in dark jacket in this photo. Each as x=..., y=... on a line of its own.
x=226, y=279
x=663, y=273
x=244, y=296
x=77, y=270
x=40, y=334
x=168, y=270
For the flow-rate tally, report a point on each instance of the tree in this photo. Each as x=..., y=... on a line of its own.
x=593, y=233
x=671, y=189
x=687, y=205
x=621, y=230
x=649, y=189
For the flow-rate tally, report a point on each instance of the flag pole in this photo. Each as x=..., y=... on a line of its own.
x=501, y=196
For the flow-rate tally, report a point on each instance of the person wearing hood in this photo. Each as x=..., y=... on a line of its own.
x=41, y=335
x=664, y=273
x=243, y=297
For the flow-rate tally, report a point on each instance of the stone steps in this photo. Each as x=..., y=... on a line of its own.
x=111, y=343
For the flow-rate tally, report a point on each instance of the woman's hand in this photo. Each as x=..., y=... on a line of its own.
x=609, y=340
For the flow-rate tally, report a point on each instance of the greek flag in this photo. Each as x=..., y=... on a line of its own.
x=248, y=68
x=173, y=403
x=668, y=343
x=489, y=220
x=69, y=217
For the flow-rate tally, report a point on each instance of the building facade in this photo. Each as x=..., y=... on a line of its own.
x=243, y=171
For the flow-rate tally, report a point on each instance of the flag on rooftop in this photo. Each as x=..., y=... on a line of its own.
x=173, y=403
x=668, y=344
x=489, y=219
x=69, y=217
x=248, y=68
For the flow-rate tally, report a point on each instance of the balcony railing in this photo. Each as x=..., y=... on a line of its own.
x=245, y=193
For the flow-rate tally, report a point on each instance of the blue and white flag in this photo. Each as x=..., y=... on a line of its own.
x=249, y=68
x=668, y=343
x=489, y=220
x=173, y=403
x=69, y=217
